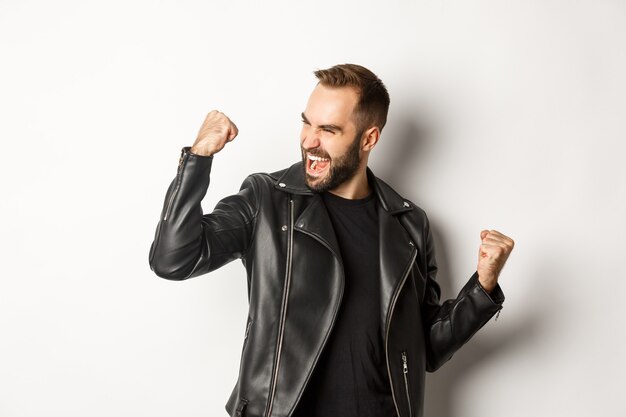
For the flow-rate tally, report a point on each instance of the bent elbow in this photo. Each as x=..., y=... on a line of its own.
x=165, y=268
x=435, y=361
x=168, y=264
x=432, y=366
x=167, y=272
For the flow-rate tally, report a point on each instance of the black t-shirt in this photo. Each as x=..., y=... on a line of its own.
x=350, y=378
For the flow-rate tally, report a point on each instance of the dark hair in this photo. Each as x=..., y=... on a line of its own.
x=373, y=105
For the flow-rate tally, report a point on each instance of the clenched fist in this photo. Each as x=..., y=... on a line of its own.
x=216, y=130
x=492, y=254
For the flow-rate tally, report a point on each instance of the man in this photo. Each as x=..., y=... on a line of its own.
x=344, y=310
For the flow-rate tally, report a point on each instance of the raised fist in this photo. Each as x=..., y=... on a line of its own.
x=216, y=130
x=493, y=252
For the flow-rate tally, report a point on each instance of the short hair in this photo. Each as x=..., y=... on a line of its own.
x=373, y=105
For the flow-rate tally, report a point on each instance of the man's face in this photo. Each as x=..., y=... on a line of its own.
x=329, y=139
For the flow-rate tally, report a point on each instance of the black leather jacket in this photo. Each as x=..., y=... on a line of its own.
x=282, y=233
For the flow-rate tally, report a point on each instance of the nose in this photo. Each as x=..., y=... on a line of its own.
x=310, y=139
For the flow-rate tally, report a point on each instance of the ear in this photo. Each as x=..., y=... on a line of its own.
x=370, y=138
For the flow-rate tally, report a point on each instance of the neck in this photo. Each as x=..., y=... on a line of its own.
x=356, y=187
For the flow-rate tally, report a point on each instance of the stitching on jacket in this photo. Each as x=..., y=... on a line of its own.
x=257, y=195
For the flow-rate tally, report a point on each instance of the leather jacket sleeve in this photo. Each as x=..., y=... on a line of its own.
x=449, y=325
x=188, y=243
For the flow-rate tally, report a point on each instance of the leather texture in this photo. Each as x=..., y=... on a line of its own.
x=282, y=233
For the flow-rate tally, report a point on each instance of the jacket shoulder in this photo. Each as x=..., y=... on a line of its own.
x=398, y=204
x=290, y=179
x=272, y=176
x=264, y=179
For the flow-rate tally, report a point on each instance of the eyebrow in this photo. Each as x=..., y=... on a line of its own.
x=330, y=126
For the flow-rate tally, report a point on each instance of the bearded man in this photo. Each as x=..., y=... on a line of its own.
x=344, y=310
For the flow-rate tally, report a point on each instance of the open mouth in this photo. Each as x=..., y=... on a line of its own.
x=316, y=165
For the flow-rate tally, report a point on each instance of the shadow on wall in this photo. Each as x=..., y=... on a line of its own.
x=400, y=166
x=512, y=334
x=408, y=143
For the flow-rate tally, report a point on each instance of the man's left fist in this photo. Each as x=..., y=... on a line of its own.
x=492, y=254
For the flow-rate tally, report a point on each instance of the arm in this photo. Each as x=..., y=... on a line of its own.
x=188, y=243
x=449, y=325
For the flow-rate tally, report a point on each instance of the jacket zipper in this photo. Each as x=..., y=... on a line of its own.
x=283, y=313
x=393, y=305
x=405, y=371
x=171, y=199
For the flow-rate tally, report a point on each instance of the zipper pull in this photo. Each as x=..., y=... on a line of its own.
x=405, y=366
x=498, y=314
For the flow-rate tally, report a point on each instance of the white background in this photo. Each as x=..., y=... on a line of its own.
x=504, y=114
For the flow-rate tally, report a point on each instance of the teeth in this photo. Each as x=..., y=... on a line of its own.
x=316, y=158
x=313, y=164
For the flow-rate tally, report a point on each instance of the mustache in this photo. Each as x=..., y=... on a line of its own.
x=321, y=154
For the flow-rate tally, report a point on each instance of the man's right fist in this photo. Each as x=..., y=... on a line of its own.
x=216, y=130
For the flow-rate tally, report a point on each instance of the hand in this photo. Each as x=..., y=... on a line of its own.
x=216, y=130
x=492, y=254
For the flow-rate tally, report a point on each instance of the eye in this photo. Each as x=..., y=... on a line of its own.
x=305, y=122
x=329, y=130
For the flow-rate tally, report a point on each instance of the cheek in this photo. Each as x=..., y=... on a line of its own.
x=335, y=150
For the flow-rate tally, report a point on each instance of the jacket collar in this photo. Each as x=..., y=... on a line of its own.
x=396, y=249
x=291, y=180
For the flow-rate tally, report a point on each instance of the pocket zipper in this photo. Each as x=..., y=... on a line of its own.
x=405, y=372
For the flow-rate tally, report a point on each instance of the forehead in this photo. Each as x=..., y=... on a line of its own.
x=331, y=105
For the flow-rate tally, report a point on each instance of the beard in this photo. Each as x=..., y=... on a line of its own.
x=342, y=168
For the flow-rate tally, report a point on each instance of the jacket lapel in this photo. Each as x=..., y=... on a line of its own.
x=314, y=220
x=396, y=246
x=396, y=252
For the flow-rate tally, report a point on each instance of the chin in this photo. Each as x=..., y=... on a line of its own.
x=313, y=182
x=317, y=184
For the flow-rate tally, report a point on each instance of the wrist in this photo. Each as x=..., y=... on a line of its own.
x=488, y=284
x=198, y=152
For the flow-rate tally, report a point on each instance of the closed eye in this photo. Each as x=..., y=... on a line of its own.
x=329, y=128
